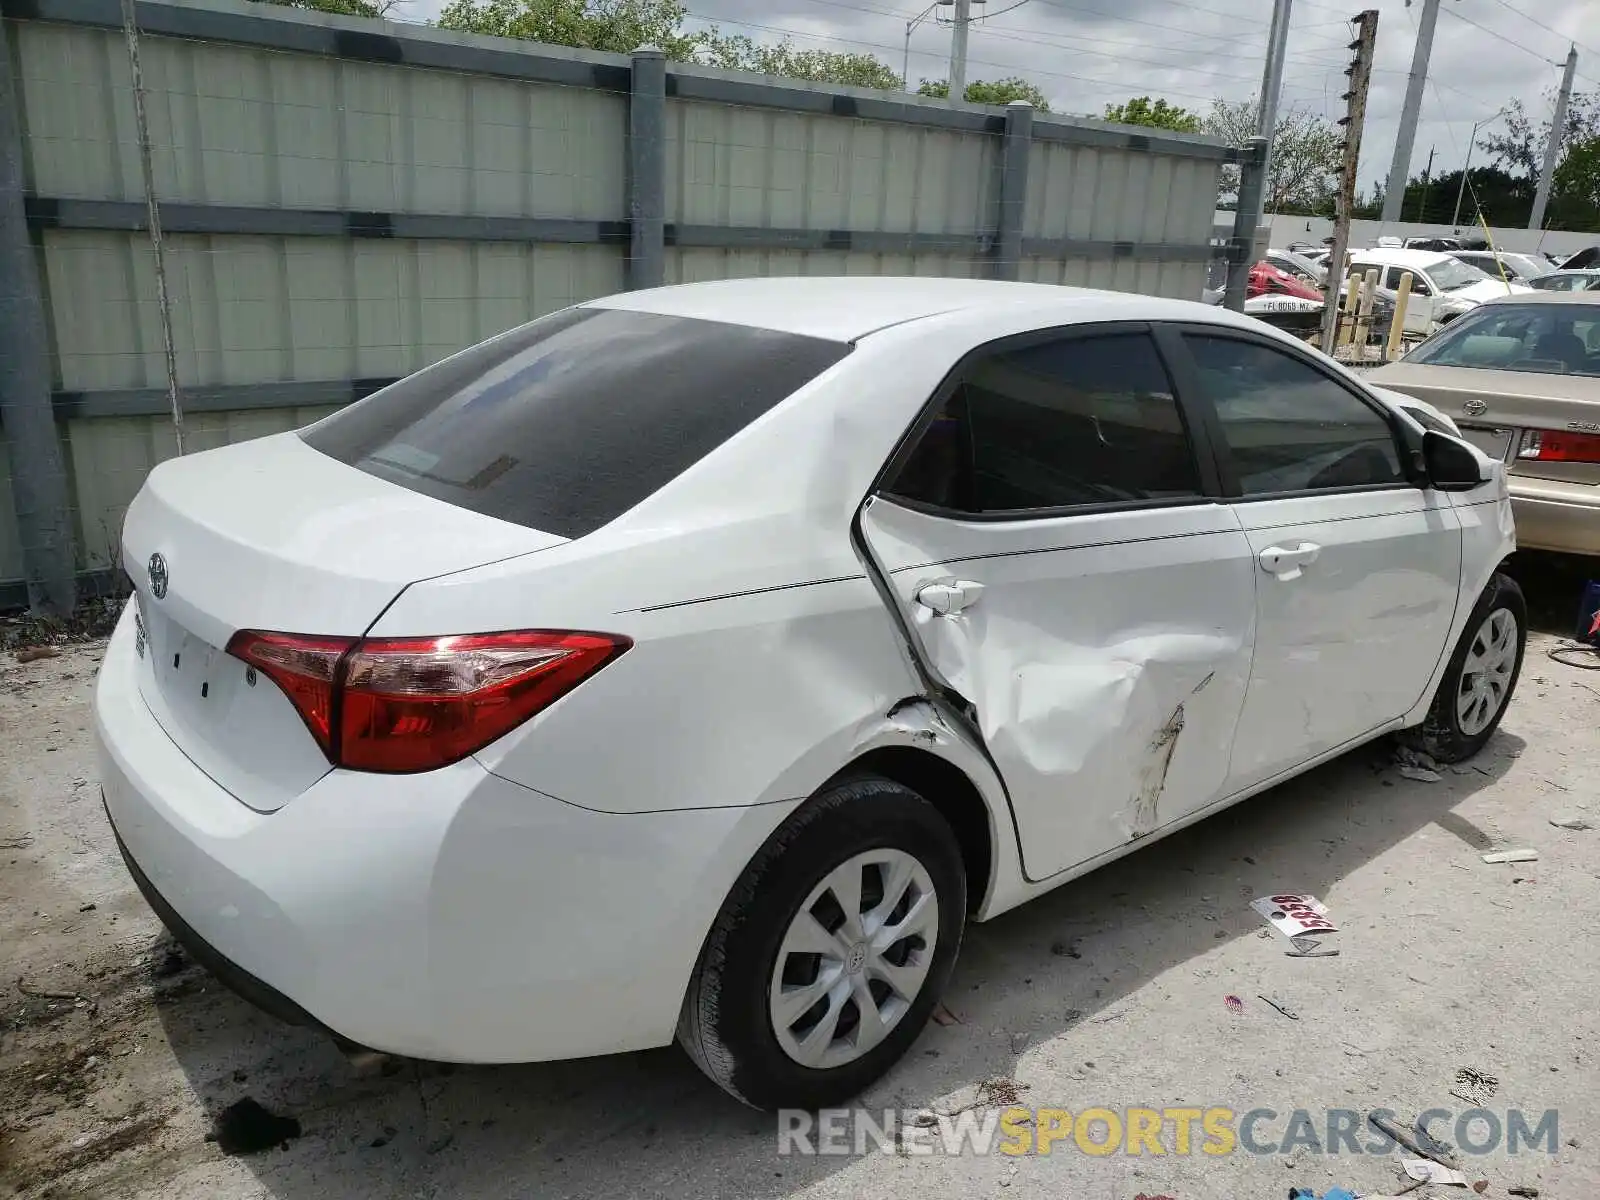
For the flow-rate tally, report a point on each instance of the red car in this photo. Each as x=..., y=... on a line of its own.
x=1268, y=280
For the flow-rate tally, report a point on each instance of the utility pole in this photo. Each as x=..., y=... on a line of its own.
x=1272, y=77
x=1427, y=181
x=1552, y=144
x=1360, y=73
x=1394, y=191
x=958, y=50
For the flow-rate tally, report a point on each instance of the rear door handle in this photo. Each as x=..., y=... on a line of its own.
x=1289, y=562
x=949, y=598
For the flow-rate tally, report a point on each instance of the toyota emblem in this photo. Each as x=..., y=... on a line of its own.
x=158, y=576
x=1474, y=407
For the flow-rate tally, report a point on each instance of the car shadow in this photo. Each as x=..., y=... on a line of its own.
x=649, y=1124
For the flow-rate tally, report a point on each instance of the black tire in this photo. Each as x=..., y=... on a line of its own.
x=726, y=1026
x=1440, y=734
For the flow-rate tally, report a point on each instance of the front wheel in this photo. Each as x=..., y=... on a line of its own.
x=831, y=951
x=1482, y=674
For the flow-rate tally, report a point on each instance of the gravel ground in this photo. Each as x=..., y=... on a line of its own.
x=116, y=1053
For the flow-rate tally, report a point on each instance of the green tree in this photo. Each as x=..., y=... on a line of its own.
x=739, y=53
x=620, y=26
x=1307, y=153
x=989, y=91
x=1141, y=110
x=1575, y=189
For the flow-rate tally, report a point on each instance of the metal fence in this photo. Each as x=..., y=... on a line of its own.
x=343, y=202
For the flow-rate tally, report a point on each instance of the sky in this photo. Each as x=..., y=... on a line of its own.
x=1085, y=54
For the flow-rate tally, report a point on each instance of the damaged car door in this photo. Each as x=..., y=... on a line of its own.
x=1051, y=533
x=1358, y=568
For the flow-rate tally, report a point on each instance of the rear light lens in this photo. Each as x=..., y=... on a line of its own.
x=304, y=667
x=1550, y=446
x=400, y=705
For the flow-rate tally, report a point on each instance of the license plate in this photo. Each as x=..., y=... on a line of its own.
x=1495, y=442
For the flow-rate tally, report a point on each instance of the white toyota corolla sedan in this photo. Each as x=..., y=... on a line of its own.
x=697, y=662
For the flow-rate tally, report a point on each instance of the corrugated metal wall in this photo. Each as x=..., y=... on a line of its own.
x=287, y=167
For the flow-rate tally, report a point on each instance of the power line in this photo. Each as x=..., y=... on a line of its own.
x=1506, y=4
x=1508, y=41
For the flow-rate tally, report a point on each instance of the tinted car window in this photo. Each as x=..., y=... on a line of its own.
x=1544, y=338
x=1289, y=427
x=1079, y=421
x=566, y=423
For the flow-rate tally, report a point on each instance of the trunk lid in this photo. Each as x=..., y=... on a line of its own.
x=1495, y=409
x=273, y=535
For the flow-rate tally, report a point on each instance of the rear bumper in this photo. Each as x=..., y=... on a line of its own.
x=1556, y=516
x=453, y=915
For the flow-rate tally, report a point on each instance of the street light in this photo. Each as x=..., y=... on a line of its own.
x=1455, y=222
x=905, y=60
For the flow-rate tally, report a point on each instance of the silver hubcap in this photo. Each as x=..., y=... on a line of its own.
x=854, y=958
x=1486, y=674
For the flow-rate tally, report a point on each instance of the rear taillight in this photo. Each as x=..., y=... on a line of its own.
x=1546, y=445
x=304, y=667
x=416, y=704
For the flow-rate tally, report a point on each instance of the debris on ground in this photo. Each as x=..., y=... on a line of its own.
x=1295, y=914
x=1235, y=1005
x=943, y=1016
x=1308, y=947
x=1402, y=1137
x=1333, y=1193
x=245, y=1127
x=1574, y=821
x=35, y=653
x=1474, y=1086
x=1417, y=766
x=1528, y=1193
x=1512, y=856
x=1288, y=1012
x=1432, y=1172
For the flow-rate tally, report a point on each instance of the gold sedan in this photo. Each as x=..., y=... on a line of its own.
x=1520, y=375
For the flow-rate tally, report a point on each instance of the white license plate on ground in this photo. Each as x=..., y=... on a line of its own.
x=1496, y=442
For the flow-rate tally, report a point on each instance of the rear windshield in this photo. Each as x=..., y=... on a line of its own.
x=1548, y=339
x=564, y=424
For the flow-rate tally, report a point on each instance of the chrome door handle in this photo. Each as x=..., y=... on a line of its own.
x=951, y=597
x=1289, y=562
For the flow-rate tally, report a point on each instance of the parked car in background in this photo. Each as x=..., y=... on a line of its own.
x=1519, y=268
x=1564, y=280
x=1299, y=266
x=1443, y=245
x=1521, y=377
x=1585, y=259
x=1442, y=287
x=1268, y=279
x=696, y=663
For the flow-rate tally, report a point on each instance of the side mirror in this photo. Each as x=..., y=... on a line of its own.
x=1451, y=464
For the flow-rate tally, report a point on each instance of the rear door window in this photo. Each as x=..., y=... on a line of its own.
x=564, y=424
x=1073, y=422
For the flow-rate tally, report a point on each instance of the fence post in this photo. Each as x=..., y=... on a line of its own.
x=1246, y=217
x=1014, y=147
x=647, y=169
x=38, y=479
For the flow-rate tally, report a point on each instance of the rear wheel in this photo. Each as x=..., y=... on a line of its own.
x=831, y=951
x=1482, y=674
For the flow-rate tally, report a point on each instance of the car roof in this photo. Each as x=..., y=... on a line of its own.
x=1389, y=255
x=845, y=308
x=1540, y=297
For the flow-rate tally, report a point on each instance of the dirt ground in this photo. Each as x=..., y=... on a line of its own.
x=1453, y=976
